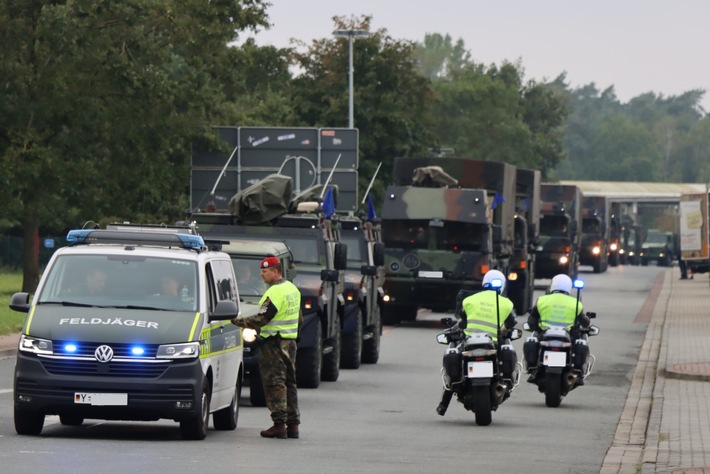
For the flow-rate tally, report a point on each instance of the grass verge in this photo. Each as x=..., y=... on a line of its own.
x=10, y=282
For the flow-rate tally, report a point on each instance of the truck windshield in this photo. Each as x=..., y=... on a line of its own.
x=248, y=274
x=590, y=225
x=419, y=234
x=353, y=243
x=120, y=281
x=303, y=250
x=553, y=226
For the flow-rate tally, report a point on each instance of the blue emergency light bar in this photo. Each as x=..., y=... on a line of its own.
x=496, y=283
x=94, y=236
x=579, y=284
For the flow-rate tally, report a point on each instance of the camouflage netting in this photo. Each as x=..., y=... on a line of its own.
x=432, y=177
x=312, y=194
x=262, y=202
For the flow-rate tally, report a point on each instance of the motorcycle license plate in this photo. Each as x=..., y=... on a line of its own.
x=480, y=369
x=554, y=359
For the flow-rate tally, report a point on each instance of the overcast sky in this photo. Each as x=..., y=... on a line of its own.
x=637, y=46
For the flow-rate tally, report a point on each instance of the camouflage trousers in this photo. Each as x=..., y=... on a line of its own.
x=277, y=366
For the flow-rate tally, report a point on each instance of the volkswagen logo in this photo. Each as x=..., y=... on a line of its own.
x=103, y=353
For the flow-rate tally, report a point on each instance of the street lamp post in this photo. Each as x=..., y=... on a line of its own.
x=351, y=34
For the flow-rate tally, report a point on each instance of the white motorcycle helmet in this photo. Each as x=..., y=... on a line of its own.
x=561, y=284
x=493, y=275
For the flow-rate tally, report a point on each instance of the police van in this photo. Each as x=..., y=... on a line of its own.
x=132, y=323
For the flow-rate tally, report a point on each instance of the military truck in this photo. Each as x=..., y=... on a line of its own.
x=558, y=249
x=364, y=278
x=658, y=247
x=246, y=258
x=266, y=211
x=445, y=223
x=595, y=233
x=521, y=277
x=615, y=233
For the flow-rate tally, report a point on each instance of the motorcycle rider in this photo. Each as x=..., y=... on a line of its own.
x=558, y=308
x=478, y=314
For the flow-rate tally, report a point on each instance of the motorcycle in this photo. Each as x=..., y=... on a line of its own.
x=555, y=375
x=474, y=366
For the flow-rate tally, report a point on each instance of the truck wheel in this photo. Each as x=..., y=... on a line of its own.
x=351, y=348
x=309, y=361
x=28, y=422
x=226, y=419
x=371, y=345
x=331, y=360
x=196, y=427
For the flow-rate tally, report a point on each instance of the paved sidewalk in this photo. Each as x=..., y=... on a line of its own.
x=665, y=424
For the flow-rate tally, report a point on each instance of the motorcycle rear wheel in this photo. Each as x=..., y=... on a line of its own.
x=482, y=404
x=553, y=390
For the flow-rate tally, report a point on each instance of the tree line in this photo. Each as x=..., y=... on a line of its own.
x=103, y=101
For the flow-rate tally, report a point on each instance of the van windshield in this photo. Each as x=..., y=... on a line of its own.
x=135, y=282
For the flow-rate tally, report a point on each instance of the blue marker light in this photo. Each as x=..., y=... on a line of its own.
x=191, y=241
x=578, y=284
x=78, y=236
x=496, y=283
x=70, y=348
x=137, y=351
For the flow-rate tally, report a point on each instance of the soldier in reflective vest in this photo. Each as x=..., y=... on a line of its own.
x=557, y=308
x=484, y=314
x=279, y=321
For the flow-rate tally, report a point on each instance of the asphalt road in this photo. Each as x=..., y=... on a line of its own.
x=379, y=418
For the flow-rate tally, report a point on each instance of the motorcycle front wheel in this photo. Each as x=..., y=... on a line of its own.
x=482, y=404
x=553, y=390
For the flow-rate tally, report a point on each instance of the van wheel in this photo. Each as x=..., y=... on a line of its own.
x=28, y=422
x=71, y=420
x=196, y=427
x=351, y=348
x=309, y=361
x=226, y=419
x=331, y=361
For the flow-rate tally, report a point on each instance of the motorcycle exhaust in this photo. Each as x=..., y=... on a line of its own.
x=500, y=392
x=571, y=380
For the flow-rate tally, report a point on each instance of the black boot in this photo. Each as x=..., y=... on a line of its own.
x=444, y=403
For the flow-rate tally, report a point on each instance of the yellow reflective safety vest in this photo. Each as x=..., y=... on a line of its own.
x=557, y=309
x=481, y=313
x=287, y=299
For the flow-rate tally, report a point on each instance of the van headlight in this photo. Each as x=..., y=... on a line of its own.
x=187, y=350
x=36, y=345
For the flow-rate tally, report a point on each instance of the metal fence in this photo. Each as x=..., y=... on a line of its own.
x=11, y=249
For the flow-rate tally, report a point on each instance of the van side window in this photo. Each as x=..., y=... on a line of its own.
x=223, y=286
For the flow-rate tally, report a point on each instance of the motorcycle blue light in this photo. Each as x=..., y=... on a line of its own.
x=578, y=284
x=70, y=348
x=137, y=351
x=496, y=283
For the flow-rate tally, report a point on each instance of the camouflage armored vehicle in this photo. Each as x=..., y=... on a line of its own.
x=615, y=233
x=445, y=223
x=265, y=211
x=560, y=214
x=246, y=258
x=521, y=277
x=594, y=249
x=364, y=277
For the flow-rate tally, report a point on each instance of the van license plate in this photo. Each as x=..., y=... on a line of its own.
x=101, y=399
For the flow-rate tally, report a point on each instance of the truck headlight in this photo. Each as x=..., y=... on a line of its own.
x=613, y=247
x=596, y=250
x=36, y=345
x=187, y=350
x=564, y=259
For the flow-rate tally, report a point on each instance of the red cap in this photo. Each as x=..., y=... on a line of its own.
x=269, y=262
